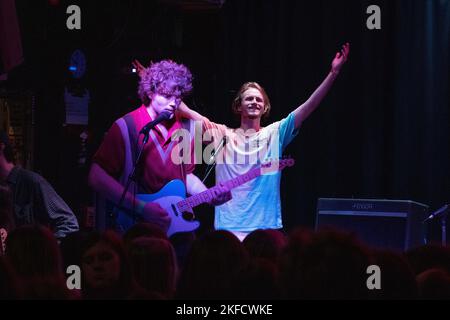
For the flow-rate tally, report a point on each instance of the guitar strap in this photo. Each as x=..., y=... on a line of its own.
x=134, y=149
x=127, y=128
x=132, y=136
x=187, y=124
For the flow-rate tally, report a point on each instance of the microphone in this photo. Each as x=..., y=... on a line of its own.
x=165, y=115
x=438, y=213
x=216, y=151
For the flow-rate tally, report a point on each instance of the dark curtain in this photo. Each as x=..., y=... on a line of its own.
x=10, y=43
x=383, y=129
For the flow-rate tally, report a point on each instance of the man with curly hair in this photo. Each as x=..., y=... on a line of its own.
x=161, y=88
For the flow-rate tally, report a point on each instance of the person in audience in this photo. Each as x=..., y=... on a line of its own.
x=105, y=269
x=34, y=199
x=434, y=284
x=212, y=266
x=398, y=280
x=266, y=244
x=332, y=265
x=34, y=254
x=154, y=265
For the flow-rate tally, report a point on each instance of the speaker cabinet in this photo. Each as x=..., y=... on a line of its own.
x=390, y=224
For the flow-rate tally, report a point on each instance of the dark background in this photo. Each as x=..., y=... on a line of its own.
x=382, y=131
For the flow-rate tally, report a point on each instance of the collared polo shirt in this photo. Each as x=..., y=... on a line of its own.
x=157, y=166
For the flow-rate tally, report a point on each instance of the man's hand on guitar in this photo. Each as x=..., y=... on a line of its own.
x=221, y=195
x=153, y=213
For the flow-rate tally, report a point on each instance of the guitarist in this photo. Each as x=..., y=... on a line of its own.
x=161, y=88
x=256, y=204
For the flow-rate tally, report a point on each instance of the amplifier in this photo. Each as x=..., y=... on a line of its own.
x=392, y=224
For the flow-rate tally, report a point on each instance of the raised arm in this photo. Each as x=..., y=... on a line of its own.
x=185, y=112
x=303, y=111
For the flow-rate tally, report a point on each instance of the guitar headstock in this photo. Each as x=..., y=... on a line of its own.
x=277, y=164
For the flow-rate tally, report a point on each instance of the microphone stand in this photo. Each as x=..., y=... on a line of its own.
x=442, y=215
x=444, y=230
x=212, y=160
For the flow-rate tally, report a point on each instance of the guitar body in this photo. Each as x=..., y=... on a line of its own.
x=172, y=193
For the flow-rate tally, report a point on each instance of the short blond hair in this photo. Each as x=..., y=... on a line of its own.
x=238, y=98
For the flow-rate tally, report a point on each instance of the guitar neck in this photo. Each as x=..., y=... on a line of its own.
x=207, y=195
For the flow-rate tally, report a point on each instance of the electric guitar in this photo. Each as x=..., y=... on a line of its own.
x=172, y=198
